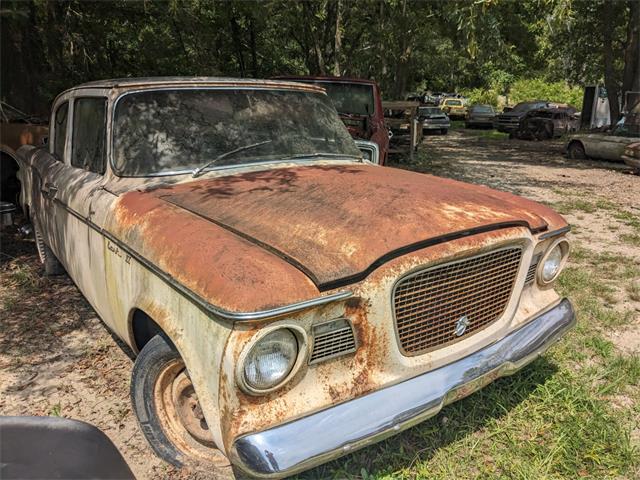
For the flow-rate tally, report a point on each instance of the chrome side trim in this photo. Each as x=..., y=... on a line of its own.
x=555, y=233
x=201, y=302
x=328, y=434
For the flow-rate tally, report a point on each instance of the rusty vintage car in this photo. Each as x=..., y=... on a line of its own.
x=548, y=123
x=230, y=233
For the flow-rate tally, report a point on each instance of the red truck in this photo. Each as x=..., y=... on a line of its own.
x=359, y=104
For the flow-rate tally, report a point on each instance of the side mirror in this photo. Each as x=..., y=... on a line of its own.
x=52, y=447
x=370, y=150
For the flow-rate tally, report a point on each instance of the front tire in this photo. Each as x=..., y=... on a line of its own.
x=168, y=410
x=576, y=151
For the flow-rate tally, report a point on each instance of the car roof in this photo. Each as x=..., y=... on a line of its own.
x=135, y=82
x=325, y=78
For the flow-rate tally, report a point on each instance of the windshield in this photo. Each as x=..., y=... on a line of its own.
x=454, y=103
x=350, y=98
x=482, y=109
x=524, y=106
x=166, y=131
x=429, y=111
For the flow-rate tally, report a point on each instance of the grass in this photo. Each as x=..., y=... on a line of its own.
x=488, y=133
x=632, y=239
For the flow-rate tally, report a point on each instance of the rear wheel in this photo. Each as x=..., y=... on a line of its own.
x=52, y=265
x=168, y=409
x=576, y=151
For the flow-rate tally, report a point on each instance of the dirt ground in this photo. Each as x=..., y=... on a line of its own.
x=57, y=358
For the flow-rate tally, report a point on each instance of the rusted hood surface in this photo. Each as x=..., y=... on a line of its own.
x=334, y=223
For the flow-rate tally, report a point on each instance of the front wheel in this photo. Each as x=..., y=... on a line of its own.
x=443, y=131
x=168, y=409
x=576, y=151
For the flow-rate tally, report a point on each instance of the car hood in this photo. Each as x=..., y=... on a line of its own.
x=337, y=223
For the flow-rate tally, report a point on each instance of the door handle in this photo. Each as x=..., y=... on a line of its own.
x=50, y=190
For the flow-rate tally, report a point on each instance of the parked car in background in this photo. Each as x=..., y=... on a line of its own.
x=547, y=123
x=509, y=121
x=602, y=145
x=359, y=105
x=631, y=156
x=16, y=129
x=480, y=116
x=433, y=120
x=454, y=107
x=222, y=228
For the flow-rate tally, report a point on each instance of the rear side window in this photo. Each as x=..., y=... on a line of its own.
x=60, y=130
x=89, y=134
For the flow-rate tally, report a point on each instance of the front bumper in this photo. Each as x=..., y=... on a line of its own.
x=435, y=126
x=341, y=429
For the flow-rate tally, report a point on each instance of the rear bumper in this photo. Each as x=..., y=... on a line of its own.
x=338, y=430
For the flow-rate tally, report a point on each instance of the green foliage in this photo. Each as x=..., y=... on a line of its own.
x=539, y=89
x=481, y=95
x=485, y=47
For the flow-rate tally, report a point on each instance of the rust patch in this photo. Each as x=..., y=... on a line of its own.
x=217, y=265
x=335, y=222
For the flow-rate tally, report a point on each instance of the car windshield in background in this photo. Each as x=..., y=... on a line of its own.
x=524, y=106
x=350, y=98
x=481, y=109
x=429, y=111
x=453, y=103
x=178, y=130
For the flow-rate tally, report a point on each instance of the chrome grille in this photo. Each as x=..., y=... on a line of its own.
x=431, y=303
x=332, y=339
x=531, y=273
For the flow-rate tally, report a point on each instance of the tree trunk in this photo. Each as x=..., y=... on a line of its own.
x=236, y=38
x=631, y=75
x=337, y=44
x=607, y=53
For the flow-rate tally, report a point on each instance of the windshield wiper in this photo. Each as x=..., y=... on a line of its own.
x=321, y=154
x=198, y=171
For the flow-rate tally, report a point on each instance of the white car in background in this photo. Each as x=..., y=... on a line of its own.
x=607, y=145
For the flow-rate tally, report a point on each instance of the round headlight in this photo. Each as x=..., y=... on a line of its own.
x=271, y=359
x=553, y=261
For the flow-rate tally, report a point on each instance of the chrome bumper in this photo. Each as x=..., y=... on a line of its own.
x=341, y=429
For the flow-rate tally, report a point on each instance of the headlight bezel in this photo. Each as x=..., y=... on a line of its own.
x=565, y=247
x=303, y=351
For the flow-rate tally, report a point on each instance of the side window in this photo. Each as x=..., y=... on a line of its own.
x=60, y=130
x=89, y=134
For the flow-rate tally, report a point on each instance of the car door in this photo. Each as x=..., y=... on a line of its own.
x=77, y=186
x=46, y=166
x=612, y=145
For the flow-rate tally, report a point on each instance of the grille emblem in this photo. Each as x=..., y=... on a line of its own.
x=461, y=326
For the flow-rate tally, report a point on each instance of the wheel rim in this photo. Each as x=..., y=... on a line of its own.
x=577, y=152
x=180, y=413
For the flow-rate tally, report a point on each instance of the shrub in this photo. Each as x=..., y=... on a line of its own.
x=539, y=89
